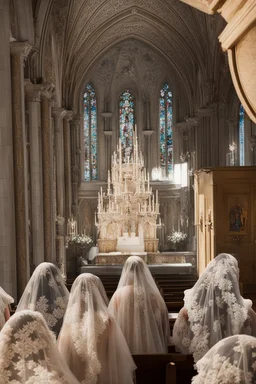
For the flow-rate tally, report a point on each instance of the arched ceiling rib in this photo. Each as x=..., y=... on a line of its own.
x=85, y=29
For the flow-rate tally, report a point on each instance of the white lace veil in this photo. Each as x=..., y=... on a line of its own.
x=215, y=306
x=28, y=352
x=46, y=293
x=90, y=340
x=140, y=309
x=230, y=361
x=5, y=300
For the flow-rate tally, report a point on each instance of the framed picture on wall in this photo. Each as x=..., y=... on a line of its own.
x=237, y=211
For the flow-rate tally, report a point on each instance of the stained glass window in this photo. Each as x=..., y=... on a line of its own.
x=126, y=121
x=241, y=134
x=165, y=127
x=90, y=134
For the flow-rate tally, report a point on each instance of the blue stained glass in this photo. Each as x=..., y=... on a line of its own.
x=90, y=134
x=241, y=134
x=126, y=121
x=165, y=129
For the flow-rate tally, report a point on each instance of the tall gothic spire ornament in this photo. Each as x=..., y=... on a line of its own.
x=128, y=211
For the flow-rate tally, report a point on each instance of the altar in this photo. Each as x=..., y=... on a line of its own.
x=128, y=214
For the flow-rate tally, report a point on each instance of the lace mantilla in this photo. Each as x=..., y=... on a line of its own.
x=26, y=355
x=231, y=361
x=215, y=309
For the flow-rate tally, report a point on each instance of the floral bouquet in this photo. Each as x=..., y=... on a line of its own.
x=82, y=243
x=177, y=239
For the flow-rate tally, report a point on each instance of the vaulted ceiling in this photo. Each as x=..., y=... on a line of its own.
x=76, y=34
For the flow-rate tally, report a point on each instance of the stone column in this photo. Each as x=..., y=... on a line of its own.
x=19, y=51
x=148, y=149
x=253, y=149
x=75, y=169
x=233, y=155
x=47, y=167
x=59, y=114
x=7, y=211
x=67, y=164
x=37, y=222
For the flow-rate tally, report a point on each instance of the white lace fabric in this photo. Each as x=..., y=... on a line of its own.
x=5, y=300
x=46, y=293
x=230, y=361
x=140, y=310
x=215, y=309
x=28, y=352
x=90, y=340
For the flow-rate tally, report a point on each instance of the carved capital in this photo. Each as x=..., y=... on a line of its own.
x=47, y=90
x=69, y=115
x=192, y=121
x=180, y=126
x=21, y=48
x=59, y=113
x=32, y=91
x=76, y=121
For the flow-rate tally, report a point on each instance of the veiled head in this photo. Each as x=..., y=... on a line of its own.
x=231, y=360
x=46, y=293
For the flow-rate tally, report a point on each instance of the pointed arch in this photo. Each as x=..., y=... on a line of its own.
x=165, y=129
x=90, y=134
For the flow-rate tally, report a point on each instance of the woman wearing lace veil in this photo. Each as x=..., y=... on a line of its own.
x=90, y=340
x=140, y=310
x=230, y=361
x=5, y=301
x=46, y=293
x=213, y=309
x=28, y=352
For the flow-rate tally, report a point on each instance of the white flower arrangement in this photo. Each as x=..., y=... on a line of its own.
x=82, y=241
x=177, y=237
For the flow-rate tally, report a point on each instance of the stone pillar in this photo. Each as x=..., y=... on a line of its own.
x=35, y=157
x=75, y=169
x=67, y=164
x=253, y=149
x=108, y=133
x=47, y=167
x=148, y=150
x=7, y=211
x=233, y=155
x=59, y=114
x=19, y=51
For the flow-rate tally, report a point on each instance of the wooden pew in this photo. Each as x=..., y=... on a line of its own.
x=158, y=368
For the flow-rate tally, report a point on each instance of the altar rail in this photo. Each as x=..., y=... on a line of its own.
x=155, y=258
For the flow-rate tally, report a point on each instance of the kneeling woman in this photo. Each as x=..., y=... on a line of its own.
x=140, y=309
x=213, y=309
x=90, y=339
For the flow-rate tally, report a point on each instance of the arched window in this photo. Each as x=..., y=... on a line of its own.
x=90, y=134
x=165, y=129
x=241, y=135
x=126, y=121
